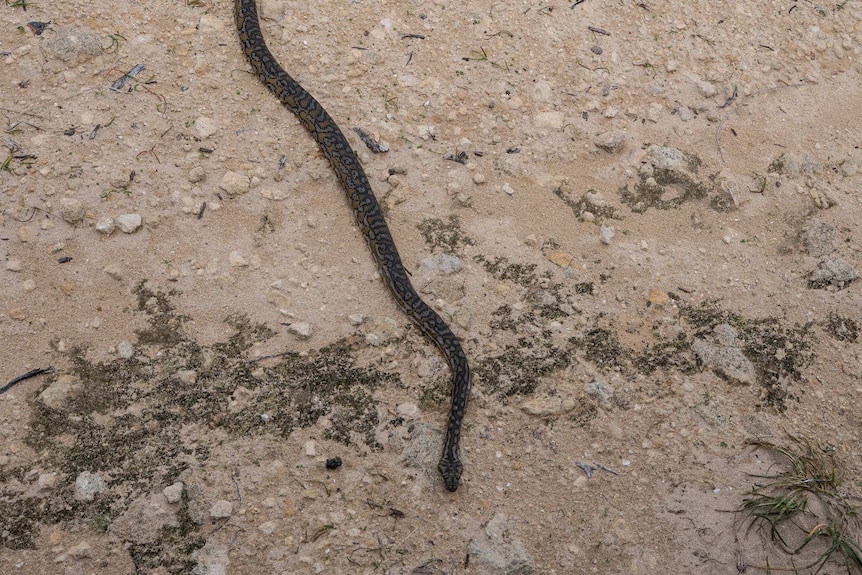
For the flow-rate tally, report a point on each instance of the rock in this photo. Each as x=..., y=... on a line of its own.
x=221, y=509
x=356, y=319
x=196, y=174
x=106, y=225
x=87, y=485
x=552, y=120
x=444, y=263
x=301, y=329
x=237, y=260
x=310, y=448
x=723, y=356
x=173, y=493
x=72, y=210
x=26, y=234
x=47, y=481
x=509, y=190
x=836, y=274
x=706, y=89
x=14, y=266
x=664, y=158
x=606, y=234
x=267, y=527
x=611, y=142
x=819, y=239
x=685, y=113
x=128, y=223
x=206, y=127
x=144, y=520
x=501, y=553
x=599, y=389
x=125, y=349
x=72, y=45
x=234, y=184
x=56, y=395
x=275, y=194
x=210, y=23
x=409, y=410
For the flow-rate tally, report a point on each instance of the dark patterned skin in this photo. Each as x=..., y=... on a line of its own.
x=370, y=220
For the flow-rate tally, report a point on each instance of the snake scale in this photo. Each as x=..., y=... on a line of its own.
x=370, y=220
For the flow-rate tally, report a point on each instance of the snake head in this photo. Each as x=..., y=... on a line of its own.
x=451, y=469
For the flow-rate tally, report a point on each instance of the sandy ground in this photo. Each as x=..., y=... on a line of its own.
x=167, y=247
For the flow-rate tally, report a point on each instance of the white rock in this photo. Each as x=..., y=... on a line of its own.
x=55, y=395
x=106, y=225
x=606, y=234
x=237, y=260
x=310, y=448
x=408, y=409
x=125, y=349
x=206, y=127
x=267, y=527
x=87, y=485
x=301, y=329
x=508, y=189
x=221, y=509
x=234, y=184
x=276, y=194
x=72, y=210
x=129, y=223
x=173, y=493
x=356, y=319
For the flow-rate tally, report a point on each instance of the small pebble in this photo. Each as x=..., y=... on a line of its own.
x=173, y=493
x=105, y=225
x=87, y=485
x=128, y=223
x=301, y=329
x=333, y=463
x=508, y=189
x=606, y=234
x=125, y=349
x=310, y=448
x=221, y=509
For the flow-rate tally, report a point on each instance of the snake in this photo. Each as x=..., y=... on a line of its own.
x=369, y=218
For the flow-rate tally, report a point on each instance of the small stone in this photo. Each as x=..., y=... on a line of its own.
x=237, y=260
x=685, y=114
x=87, y=485
x=849, y=167
x=301, y=329
x=444, y=263
x=671, y=66
x=14, y=266
x=408, y=409
x=606, y=234
x=356, y=319
x=206, y=127
x=479, y=178
x=28, y=285
x=125, y=349
x=706, y=89
x=47, y=481
x=174, y=492
x=267, y=527
x=72, y=210
x=509, y=190
x=221, y=509
x=26, y=234
x=57, y=394
x=275, y=194
x=196, y=175
x=128, y=223
x=611, y=142
x=234, y=184
x=550, y=120
x=310, y=448
x=106, y=225
x=187, y=376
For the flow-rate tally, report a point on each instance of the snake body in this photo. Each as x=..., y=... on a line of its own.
x=370, y=220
